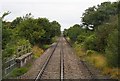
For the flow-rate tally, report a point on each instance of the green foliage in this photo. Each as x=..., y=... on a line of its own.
x=30, y=30
x=23, y=42
x=65, y=32
x=90, y=52
x=55, y=29
x=6, y=36
x=98, y=15
x=11, y=47
x=90, y=42
x=54, y=39
x=103, y=19
x=112, y=49
x=81, y=38
x=18, y=71
x=39, y=30
x=45, y=47
x=16, y=21
x=51, y=29
x=9, y=51
x=103, y=31
x=73, y=32
x=27, y=31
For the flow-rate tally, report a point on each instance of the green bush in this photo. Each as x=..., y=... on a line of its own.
x=54, y=39
x=11, y=47
x=81, y=38
x=18, y=71
x=45, y=46
x=90, y=43
x=90, y=52
x=112, y=49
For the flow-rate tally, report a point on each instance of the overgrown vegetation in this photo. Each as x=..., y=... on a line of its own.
x=27, y=30
x=19, y=71
x=36, y=33
x=96, y=39
x=37, y=51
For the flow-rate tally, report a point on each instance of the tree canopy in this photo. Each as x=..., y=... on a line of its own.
x=28, y=30
x=103, y=38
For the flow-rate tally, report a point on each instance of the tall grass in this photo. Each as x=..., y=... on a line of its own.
x=98, y=60
x=19, y=71
x=37, y=51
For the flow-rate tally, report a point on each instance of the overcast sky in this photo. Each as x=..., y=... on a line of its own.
x=66, y=12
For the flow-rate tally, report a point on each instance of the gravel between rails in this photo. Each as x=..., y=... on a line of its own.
x=72, y=69
x=52, y=71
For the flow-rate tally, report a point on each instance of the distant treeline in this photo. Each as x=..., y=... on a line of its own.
x=98, y=31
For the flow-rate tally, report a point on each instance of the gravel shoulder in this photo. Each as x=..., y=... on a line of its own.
x=37, y=64
x=73, y=69
x=87, y=70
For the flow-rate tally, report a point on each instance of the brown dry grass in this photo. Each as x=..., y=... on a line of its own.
x=37, y=51
x=98, y=60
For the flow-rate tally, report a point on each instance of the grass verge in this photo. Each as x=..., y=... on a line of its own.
x=98, y=60
x=19, y=71
x=37, y=51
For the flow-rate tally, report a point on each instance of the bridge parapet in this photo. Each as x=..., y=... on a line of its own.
x=24, y=55
x=22, y=60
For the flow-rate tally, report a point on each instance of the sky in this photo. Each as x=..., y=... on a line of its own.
x=66, y=12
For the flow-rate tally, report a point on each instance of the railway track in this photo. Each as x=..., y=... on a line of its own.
x=61, y=66
x=46, y=63
x=61, y=63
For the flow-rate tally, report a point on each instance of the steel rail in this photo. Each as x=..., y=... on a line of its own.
x=45, y=64
x=61, y=64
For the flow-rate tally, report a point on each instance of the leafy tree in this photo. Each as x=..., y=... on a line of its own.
x=17, y=21
x=103, y=38
x=81, y=38
x=55, y=29
x=45, y=24
x=30, y=30
x=74, y=31
x=11, y=47
x=112, y=49
x=98, y=15
x=103, y=31
x=6, y=36
x=27, y=30
x=90, y=42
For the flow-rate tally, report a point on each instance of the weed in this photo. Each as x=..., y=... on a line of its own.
x=98, y=60
x=18, y=72
x=37, y=51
